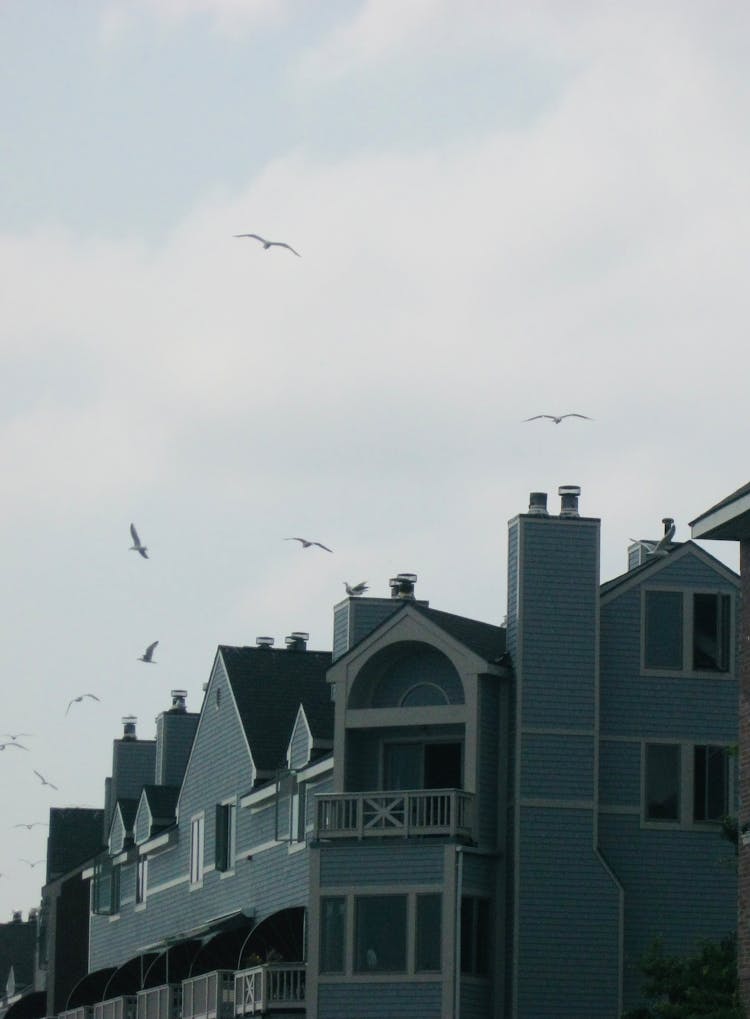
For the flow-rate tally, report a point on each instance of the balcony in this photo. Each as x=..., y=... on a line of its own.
x=123, y=1007
x=209, y=996
x=407, y=813
x=271, y=987
x=82, y=1012
x=162, y=1002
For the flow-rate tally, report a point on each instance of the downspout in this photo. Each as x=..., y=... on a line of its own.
x=457, y=933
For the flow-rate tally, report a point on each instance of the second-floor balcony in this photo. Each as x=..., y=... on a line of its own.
x=406, y=813
x=276, y=986
x=122, y=1007
x=162, y=1002
x=209, y=996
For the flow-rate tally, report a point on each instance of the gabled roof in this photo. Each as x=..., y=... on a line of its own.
x=127, y=809
x=743, y=490
x=268, y=685
x=319, y=716
x=654, y=563
x=162, y=802
x=484, y=639
x=648, y=563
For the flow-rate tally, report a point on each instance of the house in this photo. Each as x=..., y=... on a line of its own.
x=729, y=520
x=442, y=816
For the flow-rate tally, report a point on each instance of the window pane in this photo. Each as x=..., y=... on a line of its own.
x=403, y=765
x=711, y=632
x=423, y=694
x=663, y=636
x=332, y=924
x=711, y=783
x=662, y=782
x=428, y=932
x=381, y=934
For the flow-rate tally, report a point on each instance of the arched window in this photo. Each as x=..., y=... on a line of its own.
x=423, y=694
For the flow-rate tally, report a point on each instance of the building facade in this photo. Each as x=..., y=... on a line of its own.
x=437, y=817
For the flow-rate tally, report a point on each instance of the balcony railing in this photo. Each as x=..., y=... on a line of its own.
x=123, y=1007
x=405, y=813
x=271, y=987
x=82, y=1012
x=209, y=996
x=162, y=1002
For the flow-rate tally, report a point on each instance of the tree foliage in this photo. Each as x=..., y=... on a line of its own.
x=699, y=986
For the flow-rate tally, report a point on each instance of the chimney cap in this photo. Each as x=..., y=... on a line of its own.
x=264, y=641
x=569, y=490
x=402, y=585
x=538, y=504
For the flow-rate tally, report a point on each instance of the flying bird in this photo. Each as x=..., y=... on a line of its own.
x=306, y=544
x=556, y=419
x=148, y=654
x=663, y=545
x=357, y=589
x=77, y=700
x=14, y=735
x=20, y=746
x=32, y=863
x=270, y=244
x=28, y=827
x=136, y=546
x=43, y=780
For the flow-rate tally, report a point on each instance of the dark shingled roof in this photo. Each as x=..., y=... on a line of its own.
x=319, y=716
x=128, y=810
x=75, y=836
x=743, y=490
x=17, y=941
x=269, y=684
x=162, y=801
x=485, y=639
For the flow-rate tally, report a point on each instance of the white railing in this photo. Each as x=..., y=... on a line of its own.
x=404, y=813
x=162, y=1002
x=123, y=1007
x=209, y=996
x=275, y=985
x=82, y=1012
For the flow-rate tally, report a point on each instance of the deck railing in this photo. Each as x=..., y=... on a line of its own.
x=405, y=813
x=123, y=1007
x=82, y=1012
x=209, y=996
x=162, y=1002
x=271, y=987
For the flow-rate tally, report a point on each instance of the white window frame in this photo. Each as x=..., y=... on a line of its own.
x=141, y=882
x=231, y=803
x=687, y=669
x=686, y=789
x=197, y=849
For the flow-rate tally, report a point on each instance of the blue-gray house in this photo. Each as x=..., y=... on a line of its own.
x=442, y=817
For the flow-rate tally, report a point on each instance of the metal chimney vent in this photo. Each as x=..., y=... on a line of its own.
x=178, y=700
x=128, y=726
x=569, y=500
x=402, y=585
x=297, y=640
x=264, y=641
x=538, y=504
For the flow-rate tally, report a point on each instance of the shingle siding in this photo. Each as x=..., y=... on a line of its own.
x=395, y=1000
x=299, y=749
x=395, y=862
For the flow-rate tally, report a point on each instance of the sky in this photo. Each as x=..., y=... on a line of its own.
x=501, y=210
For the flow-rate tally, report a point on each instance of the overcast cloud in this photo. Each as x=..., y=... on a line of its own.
x=500, y=213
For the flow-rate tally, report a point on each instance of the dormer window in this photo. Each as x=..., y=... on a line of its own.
x=686, y=631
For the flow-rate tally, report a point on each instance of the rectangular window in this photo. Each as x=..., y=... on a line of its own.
x=711, y=630
x=141, y=879
x=196, y=850
x=710, y=783
x=422, y=765
x=663, y=630
x=429, y=934
x=226, y=816
x=106, y=888
x=475, y=936
x=332, y=934
x=380, y=935
x=297, y=817
x=662, y=782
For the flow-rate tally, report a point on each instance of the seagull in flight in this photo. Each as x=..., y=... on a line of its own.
x=556, y=419
x=14, y=735
x=663, y=545
x=270, y=244
x=148, y=654
x=28, y=827
x=43, y=780
x=32, y=863
x=136, y=546
x=307, y=544
x=20, y=746
x=77, y=700
x=357, y=589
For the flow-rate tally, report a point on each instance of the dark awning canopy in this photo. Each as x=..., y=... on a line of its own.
x=90, y=988
x=30, y=1006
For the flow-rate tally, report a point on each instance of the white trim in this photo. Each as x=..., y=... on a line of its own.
x=258, y=795
x=687, y=618
x=166, y=839
x=723, y=515
x=533, y=801
x=659, y=563
x=165, y=885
